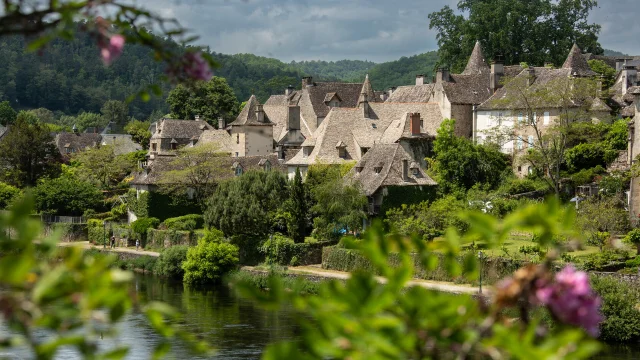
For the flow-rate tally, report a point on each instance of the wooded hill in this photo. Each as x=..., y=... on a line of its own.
x=68, y=77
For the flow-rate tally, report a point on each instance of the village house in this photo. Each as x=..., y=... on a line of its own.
x=298, y=113
x=385, y=171
x=457, y=94
x=170, y=134
x=74, y=142
x=252, y=131
x=626, y=79
x=348, y=133
x=633, y=152
x=510, y=114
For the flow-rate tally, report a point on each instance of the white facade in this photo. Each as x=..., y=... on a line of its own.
x=489, y=123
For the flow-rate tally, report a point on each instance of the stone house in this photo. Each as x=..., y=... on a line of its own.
x=346, y=134
x=252, y=131
x=626, y=79
x=386, y=168
x=169, y=134
x=71, y=143
x=633, y=152
x=507, y=112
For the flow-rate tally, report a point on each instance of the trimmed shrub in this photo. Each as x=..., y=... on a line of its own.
x=96, y=231
x=282, y=250
x=140, y=227
x=170, y=261
x=493, y=269
x=185, y=223
x=210, y=260
x=620, y=309
x=8, y=193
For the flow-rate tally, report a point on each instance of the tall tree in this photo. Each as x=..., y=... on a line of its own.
x=116, y=112
x=27, y=153
x=211, y=99
x=102, y=166
x=139, y=131
x=7, y=114
x=531, y=31
x=298, y=209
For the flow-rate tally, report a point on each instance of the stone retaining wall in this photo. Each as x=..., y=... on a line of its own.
x=630, y=278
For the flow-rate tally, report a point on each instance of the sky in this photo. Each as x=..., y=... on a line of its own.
x=374, y=30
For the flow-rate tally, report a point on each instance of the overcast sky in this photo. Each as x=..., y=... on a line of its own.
x=375, y=30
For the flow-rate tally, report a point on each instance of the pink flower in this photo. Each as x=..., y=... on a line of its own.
x=196, y=67
x=571, y=299
x=113, y=49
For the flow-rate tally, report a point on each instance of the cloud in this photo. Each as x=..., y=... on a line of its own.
x=375, y=30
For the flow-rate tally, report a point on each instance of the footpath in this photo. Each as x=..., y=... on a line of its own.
x=314, y=271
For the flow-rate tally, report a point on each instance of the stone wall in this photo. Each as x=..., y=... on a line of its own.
x=629, y=278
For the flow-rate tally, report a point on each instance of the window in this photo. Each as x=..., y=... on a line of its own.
x=416, y=172
x=519, y=168
x=520, y=118
x=364, y=150
x=359, y=169
x=547, y=118
x=530, y=141
x=238, y=170
x=342, y=152
x=68, y=150
x=154, y=147
x=529, y=170
x=267, y=166
x=237, y=138
x=378, y=169
x=237, y=154
x=519, y=143
x=534, y=118
x=174, y=146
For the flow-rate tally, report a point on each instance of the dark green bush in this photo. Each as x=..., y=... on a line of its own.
x=66, y=196
x=170, y=261
x=210, y=260
x=185, y=223
x=620, y=309
x=8, y=193
x=139, y=228
x=606, y=260
x=589, y=155
x=144, y=263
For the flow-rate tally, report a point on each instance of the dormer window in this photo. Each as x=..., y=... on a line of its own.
x=306, y=151
x=378, y=169
x=415, y=169
x=266, y=164
x=342, y=149
x=237, y=168
x=174, y=144
x=359, y=169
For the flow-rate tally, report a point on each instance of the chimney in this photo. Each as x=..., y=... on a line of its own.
x=442, y=75
x=599, y=86
x=620, y=62
x=636, y=93
x=420, y=79
x=260, y=113
x=289, y=90
x=415, y=124
x=629, y=77
x=293, y=118
x=405, y=170
x=497, y=72
x=197, y=117
x=532, y=75
x=307, y=81
x=391, y=90
x=222, y=124
x=75, y=129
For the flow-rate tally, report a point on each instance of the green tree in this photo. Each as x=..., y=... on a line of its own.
x=589, y=155
x=212, y=258
x=338, y=208
x=211, y=99
x=7, y=114
x=66, y=196
x=87, y=120
x=607, y=73
x=520, y=30
x=44, y=115
x=101, y=166
x=8, y=194
x=116, y=112
x=139, y=131
x=298, y=209
x=458, y=164
x=247, y=205
x=633, y=238
x=27, y=153
x=27, y=116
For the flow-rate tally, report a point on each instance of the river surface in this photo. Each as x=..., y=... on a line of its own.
x=237, y=327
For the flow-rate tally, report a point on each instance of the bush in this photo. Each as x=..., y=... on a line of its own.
x=587, y=176
x=144, y=263
x=211, y=259
x=606, y=260
x=514, y=186
x=633, y=238
x=282, y=250
x=140, y=227
x=589, y=155
x=8, y=193
x=170, y=261
x=619, y=307
x=427, y=220
x=185, y=223
x=66, y=195
x=96, y=231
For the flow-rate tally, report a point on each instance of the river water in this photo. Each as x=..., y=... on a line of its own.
x=237, y=327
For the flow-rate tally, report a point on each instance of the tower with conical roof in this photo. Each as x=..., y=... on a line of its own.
x=577, y=63
x=476, y=63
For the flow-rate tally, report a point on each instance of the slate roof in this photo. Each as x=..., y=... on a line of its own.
x=543, y=76
x=476, y=64
x=163, y=164
x=123, y=143
x=389, y=157
x=401, y=127
x=76, y=141
x=599, y=105
x=348, y=92
x=411, y=93
x=349, y=125
x=577, y=63
x=467, y=89
x=368, y=90
x=248, y=117
x=179, y=129
x=221, y=138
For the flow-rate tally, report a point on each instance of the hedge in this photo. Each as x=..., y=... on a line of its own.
x=185, y=223
x=96, y=231
x=167, y=238
x=281, y=250
x=158, y=205
x=341, y=259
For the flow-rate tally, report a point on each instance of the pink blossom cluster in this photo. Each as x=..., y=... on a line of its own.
x=571, y=299
x=112, y=49
x=196, y=67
